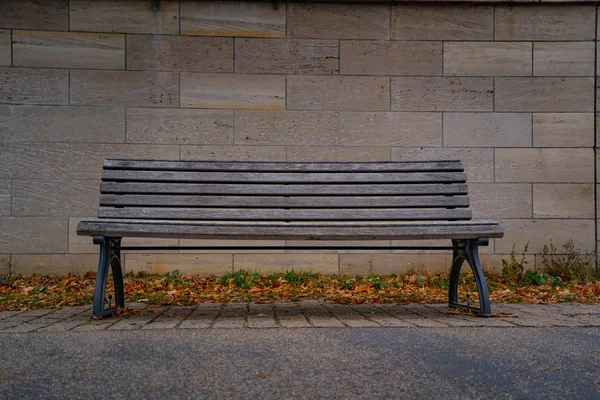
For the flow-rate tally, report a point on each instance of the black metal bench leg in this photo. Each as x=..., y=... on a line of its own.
x=468, y=250
x=109, y=257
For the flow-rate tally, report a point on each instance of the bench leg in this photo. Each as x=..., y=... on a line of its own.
x=468, y=250
x=110, y=256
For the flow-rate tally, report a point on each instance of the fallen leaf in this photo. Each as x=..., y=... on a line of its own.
x=262, y=376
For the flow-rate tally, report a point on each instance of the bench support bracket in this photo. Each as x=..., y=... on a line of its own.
x=110, y=256
x=468, y=250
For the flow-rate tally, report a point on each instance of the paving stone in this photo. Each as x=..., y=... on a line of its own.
x=6, y=324
x=324, y=321
x=63, y=326
x=8, y=314
x=197, y=323
x=262, y=321
x=234, y=310
x=97, y=324
x=230, y=322
x=293, y=321
x=24, y=328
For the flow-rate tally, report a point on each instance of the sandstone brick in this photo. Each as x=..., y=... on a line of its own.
x=544, y=94
x=563, y=59
x=68, y=50
x=5, y=47
x=316, y=244
x=87, y=159
x=232, y=91
x=68, y=124
x=390, y=129
x=487, y=58
x=127, y=16
x=333, y=153
x=54, y=198
x=232, y=244
x=487, y=130
x=440, y=242
x=374, y=57
x=34, y=86
x=233, y=153
x=271, y=263
x=5, y=197
x=338, y=21
x=365, y=264
x=151, y=125
x=54, y=264
x=286, y=127
x=201, y=264
x=125, y=88
x=442, y=22
x=225, y=18
x=479, y=163
x=442, y=94
x=4, y=264
x=289, y=56
x=346, y=93
x=544, y=165
x=34, y=161
x=500, y=200
x=540, y=232
x=545, y=22
x=35, y=14
x=563, y=129
x=6, y=123
x=179, y=53
x=563, y=200
x=37, y=234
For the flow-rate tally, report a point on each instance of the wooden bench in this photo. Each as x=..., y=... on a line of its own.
x=286, y=201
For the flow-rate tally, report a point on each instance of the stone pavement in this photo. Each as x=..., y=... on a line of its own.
x=304, y=314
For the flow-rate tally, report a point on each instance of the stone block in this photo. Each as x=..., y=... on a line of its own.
x=487, y=58
x=442, y=22
x=335, y=153
x=540, y=232
x=379, y=57
x=6, y=123
x=500, y=200
x=545, y=22
x=316, y=244
x=124, y=16
x=407, y=243
x=125, y=88
x=54, y=264
x=198, y=264
x=563, y=129
x=5, y=47
x=233, y=153
x=545, y=165
x=487, y=130
x=338, y=21
x=563, y=200
x=228, y=18
x=390, y=129
x=153, y=125
x=563, y=59
x=5, y=197
x=68, y=50
x=347, y=93
x=4, y=264
x=34, y=86
x=179, y=53
x=273, y=263
x=54, y=198
x=286, y=127
x=68, y=124
x=34, y=161
x=232, y=244
x=544, y=94
x=366, y=264
x=479, y=163
x=33, y=234
x=50, y=15
x=442, y=94
x=286, y=56
x=232, y=91
x=87, y=159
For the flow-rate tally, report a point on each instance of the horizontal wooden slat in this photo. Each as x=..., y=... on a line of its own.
x=283, y=177
x=285, y=202
x=294, y=214
x=384, y=231
x=273, y=189
x=158, y=165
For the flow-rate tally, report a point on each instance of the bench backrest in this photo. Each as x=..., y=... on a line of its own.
x=279, y=191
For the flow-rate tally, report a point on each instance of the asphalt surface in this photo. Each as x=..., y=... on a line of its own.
x=461, y=363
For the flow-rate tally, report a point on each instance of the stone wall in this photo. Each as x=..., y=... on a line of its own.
x=508, y=89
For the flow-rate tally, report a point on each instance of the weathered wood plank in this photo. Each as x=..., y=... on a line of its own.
x=286, y=202
x=293, y=214
x=283, y=177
